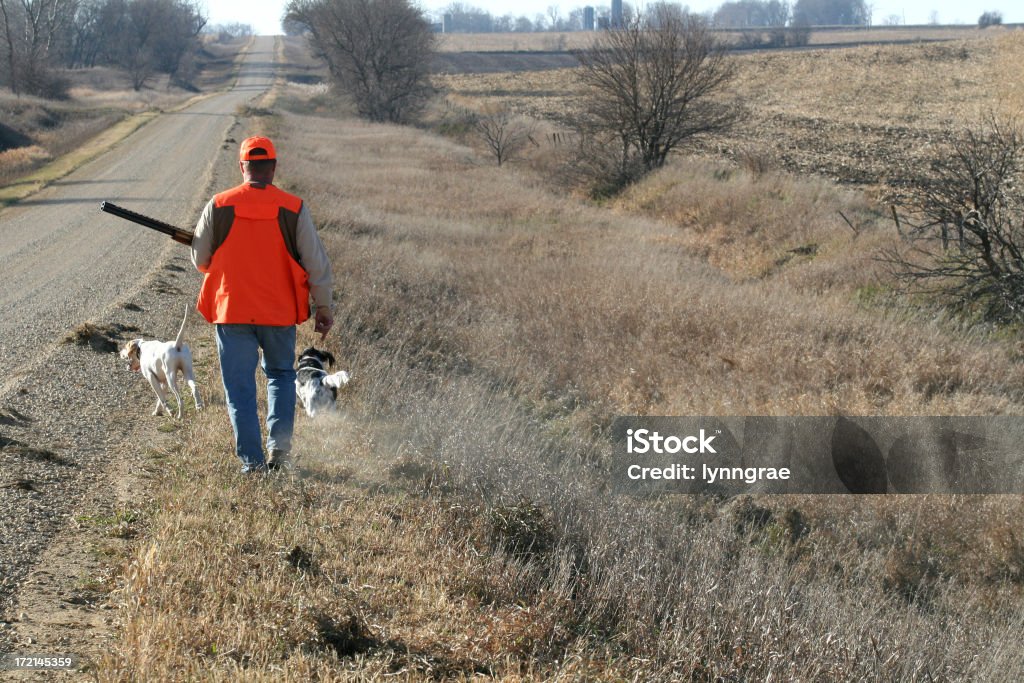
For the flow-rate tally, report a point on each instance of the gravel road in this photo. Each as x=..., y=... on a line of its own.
x=71, y=415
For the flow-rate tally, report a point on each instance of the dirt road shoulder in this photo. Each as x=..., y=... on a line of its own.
x=79, y=453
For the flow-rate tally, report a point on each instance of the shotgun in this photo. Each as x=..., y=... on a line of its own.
x=176, y=234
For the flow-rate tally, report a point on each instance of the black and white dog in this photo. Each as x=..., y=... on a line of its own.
x=315, y=387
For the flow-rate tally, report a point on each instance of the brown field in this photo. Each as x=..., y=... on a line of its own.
x=547, y=41
x=453, y=523
x=868, y=115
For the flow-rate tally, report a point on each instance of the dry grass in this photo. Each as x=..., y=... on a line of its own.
x=557, y=295
x=546, y=41
x=512, y=42
x=346, y=574
x=454, y=521
x=16, y=161
x=326, y=577
x=869, y=115
x=100, y=338
x=29, y=178
x=102, y=100
x=46, y=131
x=298, y=66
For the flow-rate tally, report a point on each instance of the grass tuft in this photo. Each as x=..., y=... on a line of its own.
x=100, y=338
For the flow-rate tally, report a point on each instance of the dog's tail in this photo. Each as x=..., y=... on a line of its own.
x=181, y=331
x=337, y=380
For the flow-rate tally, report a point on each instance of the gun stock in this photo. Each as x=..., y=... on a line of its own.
x=176, y=234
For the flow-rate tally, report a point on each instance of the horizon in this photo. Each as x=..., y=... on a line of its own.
x=265, y=15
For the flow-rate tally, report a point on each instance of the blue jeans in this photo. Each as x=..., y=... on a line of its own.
x=238, y=347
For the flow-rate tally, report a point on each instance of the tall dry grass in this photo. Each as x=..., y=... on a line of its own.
x=455, y=521
x=484, y=271
x=51, y=130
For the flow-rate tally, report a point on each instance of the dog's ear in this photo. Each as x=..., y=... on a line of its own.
x=130, y=348
x=337, y=380
x=329, y=356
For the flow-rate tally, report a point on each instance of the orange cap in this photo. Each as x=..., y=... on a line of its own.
x=256, y=148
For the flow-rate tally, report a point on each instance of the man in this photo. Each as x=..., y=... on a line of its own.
x=261, y=259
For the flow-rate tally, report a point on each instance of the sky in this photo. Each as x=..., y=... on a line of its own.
x=265, y=15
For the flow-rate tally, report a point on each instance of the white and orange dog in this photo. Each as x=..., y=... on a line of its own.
x=160, y=362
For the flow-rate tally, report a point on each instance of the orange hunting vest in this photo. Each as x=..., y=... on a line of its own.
x=254, y=276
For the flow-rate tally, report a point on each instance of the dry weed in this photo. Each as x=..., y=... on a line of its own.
x=454, y=521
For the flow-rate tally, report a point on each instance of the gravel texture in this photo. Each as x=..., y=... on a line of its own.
x=75, y=425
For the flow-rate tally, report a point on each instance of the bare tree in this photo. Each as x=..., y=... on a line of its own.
x=7, y=14
x=990, y=19
x=832, y=12
x=504, y=133
x=229, y=31
x=157, y=35
x=649, y=88
x=83, y=46
x=965, y=225
x=141, y=36
x=555, y=18
x=467, y=19
x=177, y=42
x=100, y=33
x=377, y=50
x=798, y=34
x=31, y=31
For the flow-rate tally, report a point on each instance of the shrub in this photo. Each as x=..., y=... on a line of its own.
x=650, y=89
x=990, y=19
x=379, y=51
x=967, y=245
x=504, y=133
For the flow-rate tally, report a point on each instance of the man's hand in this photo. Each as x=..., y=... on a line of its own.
x=324, y=321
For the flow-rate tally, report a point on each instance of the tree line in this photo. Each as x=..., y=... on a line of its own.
x=464, y=18
x=777, y=13
x=143, y=37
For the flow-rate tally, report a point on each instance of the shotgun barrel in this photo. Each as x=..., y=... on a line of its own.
x=176, y=234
